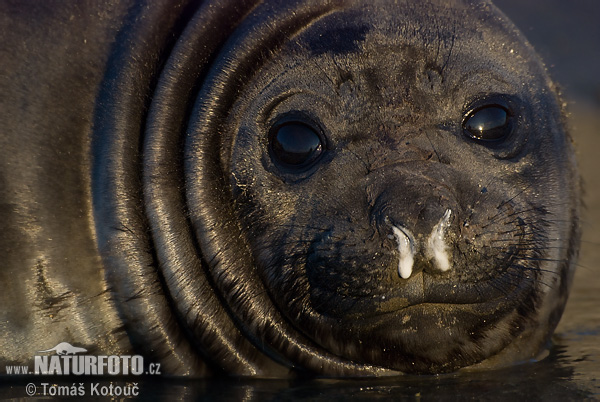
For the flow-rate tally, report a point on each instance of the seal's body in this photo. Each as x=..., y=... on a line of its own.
x=265, y=188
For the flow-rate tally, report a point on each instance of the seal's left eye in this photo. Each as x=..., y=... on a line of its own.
x=295, y=145
x=488, y=123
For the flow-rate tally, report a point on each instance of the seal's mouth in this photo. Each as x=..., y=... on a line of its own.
x=488, y=296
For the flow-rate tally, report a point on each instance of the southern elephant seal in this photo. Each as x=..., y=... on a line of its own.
x=263, y=188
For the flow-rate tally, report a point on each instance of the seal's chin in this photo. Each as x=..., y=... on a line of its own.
x=430, y=337
x=431, y=324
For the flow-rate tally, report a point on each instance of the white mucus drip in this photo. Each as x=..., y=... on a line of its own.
x=406, y=250
x=436, y=246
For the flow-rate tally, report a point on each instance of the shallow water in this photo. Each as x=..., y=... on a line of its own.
x=565, y=34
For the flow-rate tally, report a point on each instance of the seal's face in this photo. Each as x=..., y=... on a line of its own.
x=402, y=187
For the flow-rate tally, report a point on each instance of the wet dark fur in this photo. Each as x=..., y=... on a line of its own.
x=142, y=212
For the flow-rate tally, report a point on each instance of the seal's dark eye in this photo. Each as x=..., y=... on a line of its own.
x=488, y=123
x=295, y=145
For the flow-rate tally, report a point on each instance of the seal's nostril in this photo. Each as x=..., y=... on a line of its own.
x=436, y=246
x=406, y=248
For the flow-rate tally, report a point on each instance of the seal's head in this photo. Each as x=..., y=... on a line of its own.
x=345, y=188
x=404, y=181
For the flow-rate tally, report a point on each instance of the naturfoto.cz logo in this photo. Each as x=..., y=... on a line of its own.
x=68, y=360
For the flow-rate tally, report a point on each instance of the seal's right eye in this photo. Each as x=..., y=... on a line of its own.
x=295, y=145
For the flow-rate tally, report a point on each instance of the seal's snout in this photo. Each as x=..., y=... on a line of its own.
x=434, y=248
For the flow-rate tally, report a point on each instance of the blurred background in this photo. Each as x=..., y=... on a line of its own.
x=567, y=36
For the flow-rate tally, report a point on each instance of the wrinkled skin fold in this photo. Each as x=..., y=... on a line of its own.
x=281, y=188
